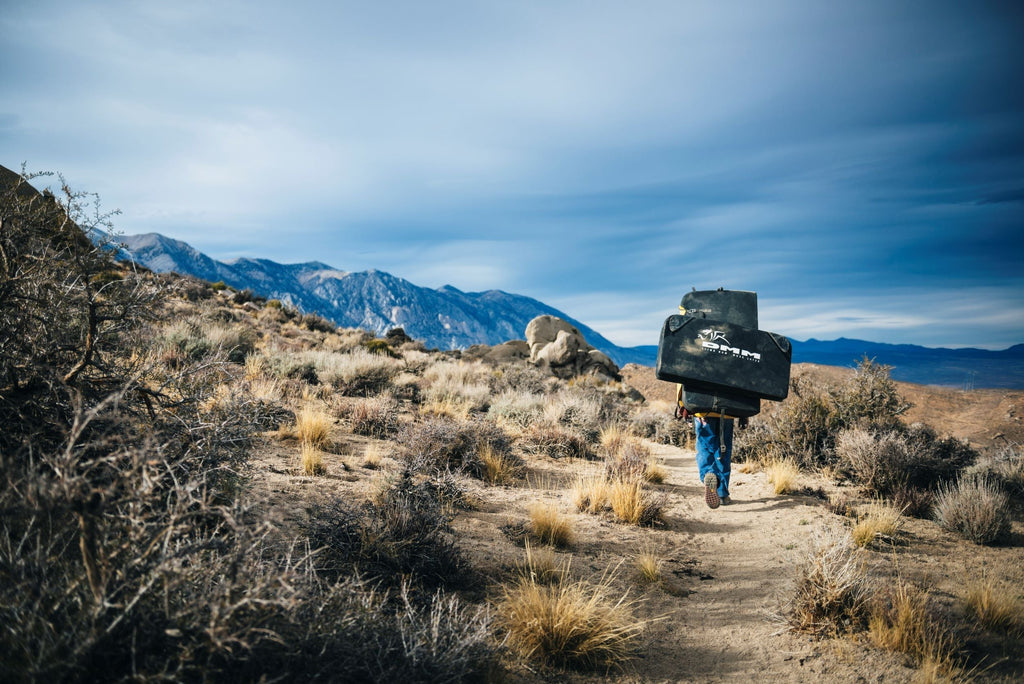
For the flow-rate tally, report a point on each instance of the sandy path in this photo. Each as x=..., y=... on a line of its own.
x=736, y=566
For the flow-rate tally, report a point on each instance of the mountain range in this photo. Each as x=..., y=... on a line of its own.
x=448, y=318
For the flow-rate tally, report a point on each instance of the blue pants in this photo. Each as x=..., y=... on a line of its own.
x=709, y=456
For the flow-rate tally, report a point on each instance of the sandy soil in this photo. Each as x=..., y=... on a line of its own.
x=727, y=574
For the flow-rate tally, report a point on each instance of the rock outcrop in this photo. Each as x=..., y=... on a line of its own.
x=560, y=347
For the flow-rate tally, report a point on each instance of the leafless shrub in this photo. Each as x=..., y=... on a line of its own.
x=975, y=508
x=439, y=444
x=630, y=460
x=375, y=416
x=832, y=591
x=806, y=425
x=555, y=441
x=659, y=425
x=404, y=532
x=1004, y=466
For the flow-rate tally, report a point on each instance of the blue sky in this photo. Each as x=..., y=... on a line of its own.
x=860, y=165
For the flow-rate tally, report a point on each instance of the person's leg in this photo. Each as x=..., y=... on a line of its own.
x=707, y=446
x=707, y=462
x=725, y=460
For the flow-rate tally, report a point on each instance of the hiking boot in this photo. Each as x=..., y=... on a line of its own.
x=726, y=500
x=711, y=490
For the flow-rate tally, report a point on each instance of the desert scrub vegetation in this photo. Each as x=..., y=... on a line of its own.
x=462, y=386
x=903, y=620
x=446, y=445
x=994, y=606
x=881, y=521
x=657, y=424
x=975, y=508
x=358, y=372
x=570, y=623
x=549, y=526
x=375, y=416
x=128, y=546
x=832, y=595
x=782, y=474
x=806, y=425
x=403, y=532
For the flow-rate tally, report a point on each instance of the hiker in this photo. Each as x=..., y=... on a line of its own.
x=714, y=452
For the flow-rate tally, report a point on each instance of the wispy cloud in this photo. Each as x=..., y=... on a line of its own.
x=859, y=165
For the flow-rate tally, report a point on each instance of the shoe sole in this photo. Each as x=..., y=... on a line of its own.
x=711, y=491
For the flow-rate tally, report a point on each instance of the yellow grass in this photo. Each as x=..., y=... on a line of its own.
x=313, y=427
x=905, y=624
x=446, y=407
x=631, y=503
x=746, y=467
x=312, y=460
x=590, y=493
x=782, y=474
x=570, y=623
x=612, y=437
x=373, y=456
x=648, y=565
x=882, y=521
x=255, y=367
x=995, y=608
x=498, y=468
x=266, y=389
x=542, y=565
x=655, y=473
x=549, y=526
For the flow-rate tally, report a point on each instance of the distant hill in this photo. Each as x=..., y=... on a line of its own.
x=448, y=318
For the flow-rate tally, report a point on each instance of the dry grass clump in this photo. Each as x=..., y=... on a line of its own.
x=975, y=508
x=655, y=473
x=375, y=416
x=648, y=565
x=632, y=504
x=882, y=521
x=541, y=565
x=499, y=467
x=902, y=620
x=549, y=526
x=591, y=493
x=994, y=607
x=373, y=456
x=555, y=441
x=657, y=423
x=570, y=623
x=517, y=408
x=313, y=427
x=629, y=460
x=312, y=460
x=832, y=589
x=782, y=475
x=358, y=372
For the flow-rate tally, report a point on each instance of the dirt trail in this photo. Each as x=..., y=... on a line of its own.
x=728, y=571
